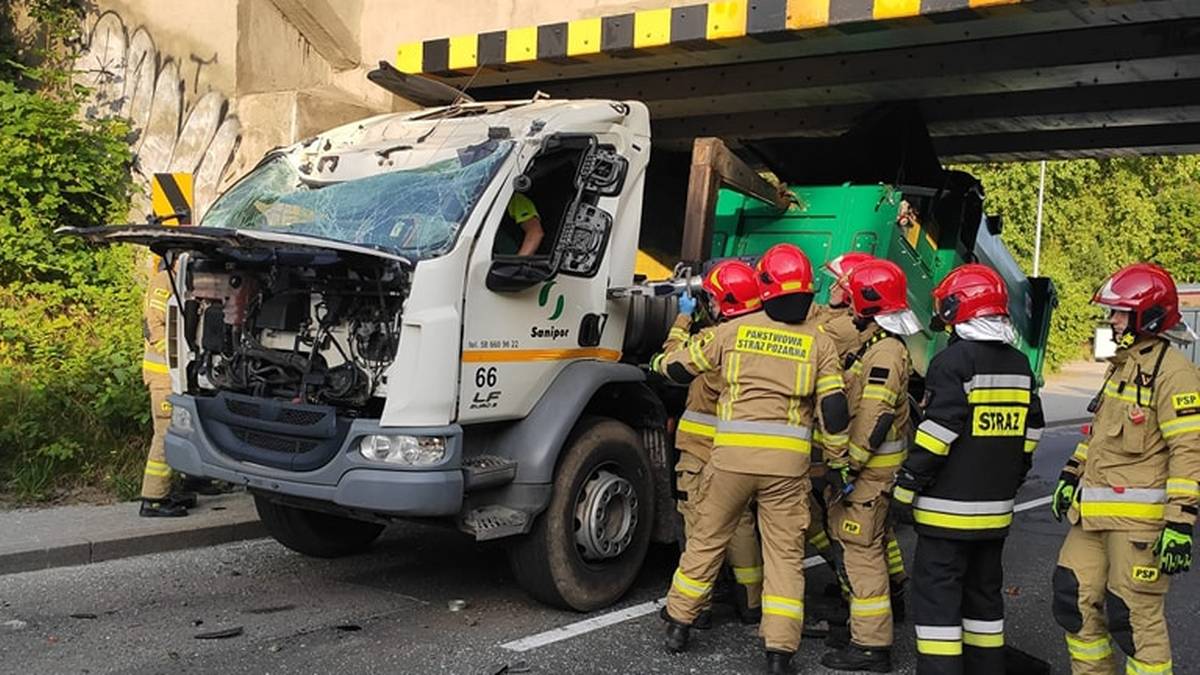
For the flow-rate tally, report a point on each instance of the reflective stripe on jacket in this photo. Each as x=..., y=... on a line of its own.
x=1141, y=465
x=970, y=451
x=776, y=377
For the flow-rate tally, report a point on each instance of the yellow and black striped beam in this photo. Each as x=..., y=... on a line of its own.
x=171, y=198
x=701, y=26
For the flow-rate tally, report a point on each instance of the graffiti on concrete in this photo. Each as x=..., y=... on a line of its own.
x=131, y=77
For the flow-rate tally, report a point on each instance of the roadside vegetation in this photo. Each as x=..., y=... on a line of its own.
x=1098, y=215
x=73, y=413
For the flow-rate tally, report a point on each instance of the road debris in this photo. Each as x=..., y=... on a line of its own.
x=220, y=634
x=83, y=615
x=269, y=610
x=511, y=668
x=456, y=605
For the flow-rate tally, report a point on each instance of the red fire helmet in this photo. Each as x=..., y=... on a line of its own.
x=732, y=284
x=1147, y=292
x=969, y=292
x=784, y=270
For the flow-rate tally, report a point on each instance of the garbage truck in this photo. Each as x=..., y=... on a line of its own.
x=351, y=342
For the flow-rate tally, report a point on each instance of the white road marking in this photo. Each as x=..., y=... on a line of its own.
x=637, y=611
x=1033, y=503
x=580, y=627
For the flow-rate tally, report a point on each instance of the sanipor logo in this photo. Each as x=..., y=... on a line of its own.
x=544, y=299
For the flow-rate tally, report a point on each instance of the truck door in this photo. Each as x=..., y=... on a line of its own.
x=526, y=316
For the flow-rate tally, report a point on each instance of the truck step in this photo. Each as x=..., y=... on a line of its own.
x=484, y=471
x=495, y=522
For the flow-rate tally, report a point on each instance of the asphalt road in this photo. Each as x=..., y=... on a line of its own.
x=386, y=611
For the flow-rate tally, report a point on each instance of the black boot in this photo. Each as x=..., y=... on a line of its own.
x=161, y=508
x=815, y=628
x=703, y=620
x=677, y=636
x=181, y=498
x=206, y=486
x=741, y=604
x=856, y=658
x=839, y=636
x=779, y=663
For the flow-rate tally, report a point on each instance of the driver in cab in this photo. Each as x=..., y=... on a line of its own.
x=521, y=231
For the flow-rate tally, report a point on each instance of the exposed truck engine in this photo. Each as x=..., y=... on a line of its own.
x=316, y=334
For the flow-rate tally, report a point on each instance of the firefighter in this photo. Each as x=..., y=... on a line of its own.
x=877, y=390
x=733, y=292
x=157, y=497
x=779, y=373
x=1130, y=490
x=837, y=321
x=970, y=455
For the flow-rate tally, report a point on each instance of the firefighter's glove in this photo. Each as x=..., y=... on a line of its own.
x=1064, y=494
x=687, y=304
x=839, y=477
x=901, y=512
x=902, y=499
x=1174, y=548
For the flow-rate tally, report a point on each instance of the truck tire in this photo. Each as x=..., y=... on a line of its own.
x=604, y=472
x=316, y=534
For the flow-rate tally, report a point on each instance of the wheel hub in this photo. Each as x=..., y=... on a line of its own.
x=605, y=516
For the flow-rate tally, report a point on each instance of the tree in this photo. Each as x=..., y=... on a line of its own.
x=1098, y=216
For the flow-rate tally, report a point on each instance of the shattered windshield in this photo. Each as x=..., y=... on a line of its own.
x=415, y=212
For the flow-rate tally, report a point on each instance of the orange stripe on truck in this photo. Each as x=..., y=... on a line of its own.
x=526, y=355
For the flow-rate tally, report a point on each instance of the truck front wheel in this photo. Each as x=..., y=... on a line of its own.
x=586, y=549
x=321, y=535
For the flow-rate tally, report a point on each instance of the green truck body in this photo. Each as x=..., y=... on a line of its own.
x=827, y=221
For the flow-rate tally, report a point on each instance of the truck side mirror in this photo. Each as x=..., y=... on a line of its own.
x=602, y=172
x=583, y=239
x=514, y=273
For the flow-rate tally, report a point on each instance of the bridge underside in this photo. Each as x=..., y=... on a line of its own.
x=1003, y=82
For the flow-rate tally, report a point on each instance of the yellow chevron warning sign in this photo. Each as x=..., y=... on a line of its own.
x=171, y=198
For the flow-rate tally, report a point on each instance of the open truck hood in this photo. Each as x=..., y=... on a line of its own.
x=225, y=242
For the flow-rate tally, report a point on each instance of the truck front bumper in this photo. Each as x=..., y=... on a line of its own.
x=348, y=479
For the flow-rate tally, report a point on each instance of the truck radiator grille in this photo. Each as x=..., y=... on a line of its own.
x=274, y=443
x=272, y=432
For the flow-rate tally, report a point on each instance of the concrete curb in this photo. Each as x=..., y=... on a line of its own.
x=67, y=553
x=106, y=533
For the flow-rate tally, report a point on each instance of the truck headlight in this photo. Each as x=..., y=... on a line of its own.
x=404, y=450
x=181, y=420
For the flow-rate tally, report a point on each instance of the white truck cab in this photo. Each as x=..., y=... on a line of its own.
x=355, y=341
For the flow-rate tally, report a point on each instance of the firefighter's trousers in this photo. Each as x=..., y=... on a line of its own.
x=861, y=531
x=1108, y=588
x=958, y=607
x=156, y=479
x=818, y=537
x=782, y=517
x=743, y=555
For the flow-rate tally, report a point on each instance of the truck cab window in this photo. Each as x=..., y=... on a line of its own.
x=542, y=208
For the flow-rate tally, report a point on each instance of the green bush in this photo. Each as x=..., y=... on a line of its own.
x=72, y=406
x=1098, y=216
